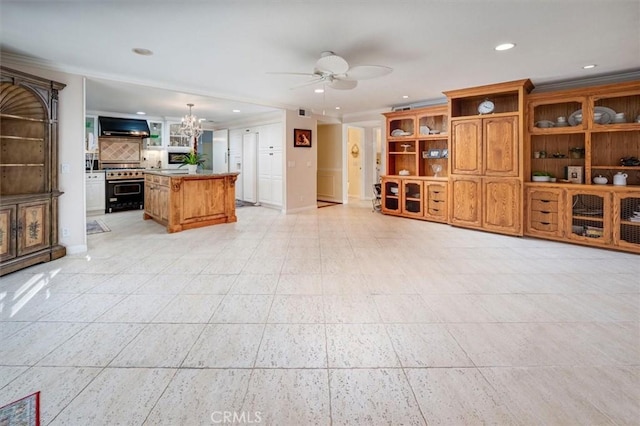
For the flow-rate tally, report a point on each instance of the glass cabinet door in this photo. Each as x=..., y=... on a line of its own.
x=176, y=138
x=155, y=137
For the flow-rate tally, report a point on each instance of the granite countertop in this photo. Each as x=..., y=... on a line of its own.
x=185, y=173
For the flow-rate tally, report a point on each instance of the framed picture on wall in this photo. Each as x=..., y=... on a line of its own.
x=301, y=138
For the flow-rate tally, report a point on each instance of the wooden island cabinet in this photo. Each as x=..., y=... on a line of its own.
x=180, y=201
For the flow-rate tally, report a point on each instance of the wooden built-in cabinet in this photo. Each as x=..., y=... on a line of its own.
x=486, y=175
x=417, y=153
x=28, y=170
x=595, y=146
x=486, y=162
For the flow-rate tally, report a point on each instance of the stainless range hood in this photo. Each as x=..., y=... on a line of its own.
x=123, y=127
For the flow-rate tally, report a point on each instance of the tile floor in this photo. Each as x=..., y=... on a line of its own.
x=335, y=316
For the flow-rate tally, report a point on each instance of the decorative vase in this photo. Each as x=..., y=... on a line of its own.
x=192, y=168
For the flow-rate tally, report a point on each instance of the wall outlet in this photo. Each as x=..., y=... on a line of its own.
x=65, y=232
x=65, y=168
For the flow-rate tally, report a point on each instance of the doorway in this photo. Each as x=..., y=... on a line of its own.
x=354, y=154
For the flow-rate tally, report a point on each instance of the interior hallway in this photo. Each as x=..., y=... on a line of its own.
x=334, y=316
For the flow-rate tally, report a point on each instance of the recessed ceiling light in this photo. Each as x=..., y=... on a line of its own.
x=588, y=67
x=319, y=90
x=142, y=51
x=405, y=96
x=141, y=113
x=236, y=110
x=505, y=46
x=337, y=107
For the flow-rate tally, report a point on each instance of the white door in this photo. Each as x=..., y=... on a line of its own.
x=220, y=149
x=249, y=166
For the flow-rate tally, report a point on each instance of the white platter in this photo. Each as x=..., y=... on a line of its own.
x=607, y=116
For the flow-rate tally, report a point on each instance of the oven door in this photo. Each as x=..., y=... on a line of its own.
x=124, y=195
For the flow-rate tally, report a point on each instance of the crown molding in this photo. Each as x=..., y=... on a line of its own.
x=597, y=80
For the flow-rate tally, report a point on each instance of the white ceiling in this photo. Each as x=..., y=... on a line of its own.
x=217, y=54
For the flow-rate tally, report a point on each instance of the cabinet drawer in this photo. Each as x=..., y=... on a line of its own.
x=163, y=180
x=544, y=196
x=544, y=206
x=437, y=194
x=436, y=211
x=436, y=204
x=544, y=217
x=544, y=226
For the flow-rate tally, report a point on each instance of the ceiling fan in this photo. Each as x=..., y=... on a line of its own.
x=334, y=71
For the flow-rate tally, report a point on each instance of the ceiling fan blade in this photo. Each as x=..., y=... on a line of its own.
x=332, y=63
x=309, y=83
x=364, y=72
x=292, y=73
x=343, y=84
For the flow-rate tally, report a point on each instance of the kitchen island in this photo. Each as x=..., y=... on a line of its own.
x=179, y=200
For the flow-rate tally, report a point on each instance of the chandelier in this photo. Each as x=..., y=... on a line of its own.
x=190, y=126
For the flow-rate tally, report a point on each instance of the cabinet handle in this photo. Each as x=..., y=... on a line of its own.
x=271, y=153
x=545, y=201
x=545, y=223
x=544, y=212
x=19, y=228
x=270, y=147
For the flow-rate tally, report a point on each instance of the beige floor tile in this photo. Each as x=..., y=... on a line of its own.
x=165, y=284
x=457, y=308
x=7, y=374
x=457, y=396
x=426, y=345
x=373, y=397
x=308, y=284
x=189, y=308
x=201, y=397
x=136, y=308
x=243, y=309
x=404, y=309
x=288, y=397
x=30, y=344
x=360, y=346
x=545, y=395
x=350, y=309
x=225, y=346
x=159, y=345
x=121, y=283
x=115, y=395
x=96, y=345
x=84, y=308
x=210, y=284
x=255, y=284
x=293, y=346
x=297, y=309
x=32, y=305
x=58, y=386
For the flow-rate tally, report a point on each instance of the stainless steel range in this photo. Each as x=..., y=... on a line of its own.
x=124, y=189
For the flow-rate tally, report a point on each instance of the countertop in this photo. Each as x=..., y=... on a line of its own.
x=185, y=173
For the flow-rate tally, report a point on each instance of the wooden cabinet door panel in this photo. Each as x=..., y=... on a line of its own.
x=7, y=233
x=502, y=206
x=466, y=147
x=466, y=205
x=500, y=143
x=33, y=226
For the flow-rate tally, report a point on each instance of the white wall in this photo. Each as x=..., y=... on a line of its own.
x=71, y=214
x=301, y=165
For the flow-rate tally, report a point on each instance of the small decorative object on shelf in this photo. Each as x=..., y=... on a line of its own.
x=486, y=107
x=576, y=152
